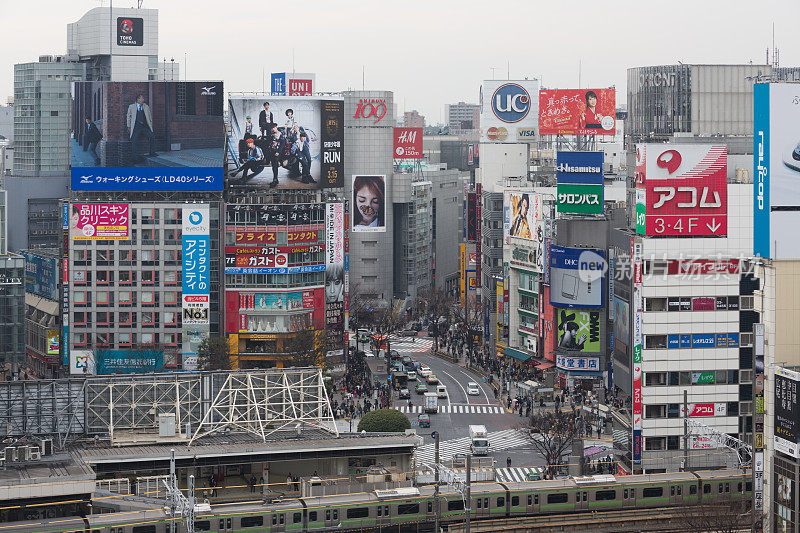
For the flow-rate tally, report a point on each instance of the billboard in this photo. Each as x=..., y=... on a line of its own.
x=97, y=222
x=130, y=31
x=369, y=204
x=580, y=199
x=509, y=110
x=787, y=412
x=41, y=275
x=128, y=361
x=147, y=136
x=578, y=331
x=776, y=164
x=622, y=325
x=578, y=363
x=579, y=167
x=53, y=342
x=577, y=111
x=686, y=189
x=81, y=362
x=577, y=277
x=407, y=143
x=196, y=278
x=278, y=312
x=471, y=217
x=292, y=83
x=521, y=213
x=334, y=265
x=284, y=142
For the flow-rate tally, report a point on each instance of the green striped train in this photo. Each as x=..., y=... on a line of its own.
x=412, y=509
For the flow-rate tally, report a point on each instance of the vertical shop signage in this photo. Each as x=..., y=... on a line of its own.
x=196, y=276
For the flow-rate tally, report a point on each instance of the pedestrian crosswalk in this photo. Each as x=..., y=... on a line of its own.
x=518, y=473
x=498, y=440
x=411, y=345
x=456, y=409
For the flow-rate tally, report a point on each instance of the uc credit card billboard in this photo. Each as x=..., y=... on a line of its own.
x=577, y=111
x=147, y=136
x=685, y=189
x=577, y=277
x=776, y=170
x=509, y=111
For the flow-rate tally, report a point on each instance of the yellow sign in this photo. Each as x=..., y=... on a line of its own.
x=463, y=283
x=233, y=350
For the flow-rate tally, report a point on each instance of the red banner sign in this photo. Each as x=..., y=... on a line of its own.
x=686, y=189
x=577, y=112
x=408, y=143
x=703, y=266
x=256, y=237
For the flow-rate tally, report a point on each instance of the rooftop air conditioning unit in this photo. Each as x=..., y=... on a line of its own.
x=10, y=454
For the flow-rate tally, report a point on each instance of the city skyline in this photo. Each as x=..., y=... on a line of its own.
x=424, y=40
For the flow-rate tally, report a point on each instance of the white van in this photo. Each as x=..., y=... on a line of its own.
x=441, y=391
x=411, y=375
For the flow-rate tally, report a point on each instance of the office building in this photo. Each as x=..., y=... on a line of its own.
x=463, y=118
x=43, y=326
x=412, y=119
x=12, y=304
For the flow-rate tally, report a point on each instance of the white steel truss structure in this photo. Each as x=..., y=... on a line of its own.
x=743, y=451
x=264, y=402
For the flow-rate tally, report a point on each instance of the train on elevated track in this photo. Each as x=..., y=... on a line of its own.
x=415, y=509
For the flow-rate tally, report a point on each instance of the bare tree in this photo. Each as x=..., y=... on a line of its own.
x=552, y=436
x=388, y=321
x=438, y=305
x=725, y=517
x=213, y=354
x=309, y=347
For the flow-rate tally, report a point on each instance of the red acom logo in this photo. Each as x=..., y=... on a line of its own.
x=371, y=108
x=687, y=191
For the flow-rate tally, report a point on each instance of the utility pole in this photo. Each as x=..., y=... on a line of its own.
x=468, y=507
x=686, y=427
x=436, y=478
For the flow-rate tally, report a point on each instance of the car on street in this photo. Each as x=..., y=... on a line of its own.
x=405, y=393
x=421, y=388
x=395, y=354
x=441, y=391
x=411, y=375
x=473, y=389
x=432, y=379
x=424, y=420
x=459, y=459
x=425, y=371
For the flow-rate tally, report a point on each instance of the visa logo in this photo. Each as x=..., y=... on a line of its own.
x=526, y=133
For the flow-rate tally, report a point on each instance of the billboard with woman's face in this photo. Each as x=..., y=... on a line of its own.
x=369, y=203
x=521, y=210
x=577, y=111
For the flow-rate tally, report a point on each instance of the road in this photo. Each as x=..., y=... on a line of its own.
x=460, y=410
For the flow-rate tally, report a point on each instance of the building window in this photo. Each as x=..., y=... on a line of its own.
x=655, y=443
x=170, y=318
x=655, y=378
x=170, y=298
x=655, y=304
x=654, y=342
x=655, y=411
x=127, y=277
x=171, y=277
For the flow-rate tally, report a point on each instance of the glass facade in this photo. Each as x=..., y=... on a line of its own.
x=659, y=101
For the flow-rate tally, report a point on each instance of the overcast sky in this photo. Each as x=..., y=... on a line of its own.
x=430, y=52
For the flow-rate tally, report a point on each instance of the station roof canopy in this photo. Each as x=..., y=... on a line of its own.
x=516, y=354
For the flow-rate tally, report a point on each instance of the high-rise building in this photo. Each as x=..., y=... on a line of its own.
x=412, y=119
x=463, y=118
x=12, y=303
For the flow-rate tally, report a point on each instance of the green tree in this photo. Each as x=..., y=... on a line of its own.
x=308, y=348
x=384, y=420
x=213, y=354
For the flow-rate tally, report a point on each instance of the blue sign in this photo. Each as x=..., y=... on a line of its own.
x=585, y=168
x=275, y=270
x=41, y=275
x=129, y=361
x=196, y=267
x=147, y=178
x=672, y=341
x=511, y=102
x=703, y=340
x=686, y=341
x=761, y=184
x=278, y=83
x=577, y=277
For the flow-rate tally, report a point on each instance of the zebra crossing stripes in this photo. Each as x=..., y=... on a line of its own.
x=498, y=440
x=406, y=345
x=456, y=409
x=518, y=473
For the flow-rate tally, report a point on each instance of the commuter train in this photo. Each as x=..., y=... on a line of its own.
x=406, y=508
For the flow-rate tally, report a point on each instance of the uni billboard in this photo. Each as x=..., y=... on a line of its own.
x=685, y=189
x=285, y=142
x=509, y=111
x=776, y=165
x=577, y=111
x=147, y=136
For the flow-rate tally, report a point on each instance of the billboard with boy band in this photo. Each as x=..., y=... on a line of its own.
x=279, y=142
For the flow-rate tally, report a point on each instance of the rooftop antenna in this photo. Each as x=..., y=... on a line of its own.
x=579, y=74
x=508, y=70
x=292, y=60
x=492, y=69
x=362, y=77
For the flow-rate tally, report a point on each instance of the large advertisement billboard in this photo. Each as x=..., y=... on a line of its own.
x=509, y=111
x=776, y=164
x=407, y=143
x=686, y=189
x=577, y=111
x=147, y=136
x=334, y=265
x=787, y=412
x=369, y=204
x=521, y=213
x=578, y=330
x=276, y=312
x=285, y=143
x=103, y=222
x=41, y=275
x=196, y=284
x=622, y=325
x=577, y=277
